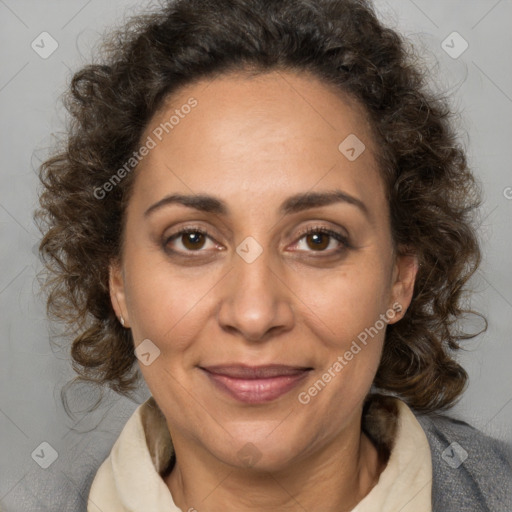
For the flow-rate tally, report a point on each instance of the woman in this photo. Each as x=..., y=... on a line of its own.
x=262, y=208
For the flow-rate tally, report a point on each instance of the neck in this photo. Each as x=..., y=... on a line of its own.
x=335, y=477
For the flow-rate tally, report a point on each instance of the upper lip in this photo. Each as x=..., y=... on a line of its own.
x=241, y=371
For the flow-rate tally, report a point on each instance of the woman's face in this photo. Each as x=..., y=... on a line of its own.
x=247, y=166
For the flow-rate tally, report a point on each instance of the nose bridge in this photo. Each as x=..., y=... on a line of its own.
x=253, y=269
x=256, y=300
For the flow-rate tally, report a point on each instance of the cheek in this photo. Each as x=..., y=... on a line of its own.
x=349, y=334
x=165, y=305
x=343, y=303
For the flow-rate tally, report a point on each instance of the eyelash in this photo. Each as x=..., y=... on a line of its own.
x=342, y=239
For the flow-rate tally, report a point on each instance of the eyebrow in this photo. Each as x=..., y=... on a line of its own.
x=294, y=204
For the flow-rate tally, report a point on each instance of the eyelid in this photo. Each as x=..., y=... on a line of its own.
x=342, y=239
x=322, y=229
x=185, y=230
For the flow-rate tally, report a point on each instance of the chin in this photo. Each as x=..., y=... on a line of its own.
x=267, y=450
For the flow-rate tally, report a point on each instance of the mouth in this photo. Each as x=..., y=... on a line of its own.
x=255, y=384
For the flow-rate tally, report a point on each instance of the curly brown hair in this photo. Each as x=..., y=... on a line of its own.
x=431, y=192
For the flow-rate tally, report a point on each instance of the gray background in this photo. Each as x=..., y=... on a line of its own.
x=32, y=372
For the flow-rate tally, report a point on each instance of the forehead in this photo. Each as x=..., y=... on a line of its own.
x=273, y=134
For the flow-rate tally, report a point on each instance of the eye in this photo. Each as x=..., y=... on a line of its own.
x=188, y=240
x=316, y=239
x=321, y=238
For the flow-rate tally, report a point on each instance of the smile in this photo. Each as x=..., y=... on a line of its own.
x=255, y=385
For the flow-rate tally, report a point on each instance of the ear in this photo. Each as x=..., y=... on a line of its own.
x=117, y=293
x=404, y=276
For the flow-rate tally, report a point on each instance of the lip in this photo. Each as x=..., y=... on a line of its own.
x=255, y=384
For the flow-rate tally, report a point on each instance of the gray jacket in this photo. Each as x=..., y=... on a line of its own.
x=472, y=472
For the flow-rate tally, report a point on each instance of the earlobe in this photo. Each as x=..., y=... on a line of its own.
x=117, y=295
x=406, y=269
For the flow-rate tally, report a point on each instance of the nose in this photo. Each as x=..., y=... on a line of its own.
x=256, y=304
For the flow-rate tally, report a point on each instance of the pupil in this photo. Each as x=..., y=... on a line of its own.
x=318, y=240
x=193, y=239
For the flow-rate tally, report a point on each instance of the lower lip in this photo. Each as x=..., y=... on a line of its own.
x=256, y=391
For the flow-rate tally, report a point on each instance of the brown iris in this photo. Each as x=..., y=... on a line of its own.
x=317, y=240
x=195, y=239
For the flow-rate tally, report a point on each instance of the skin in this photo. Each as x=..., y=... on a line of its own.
x=253, y=142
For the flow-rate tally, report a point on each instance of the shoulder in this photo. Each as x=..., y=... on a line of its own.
x=471, y=470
